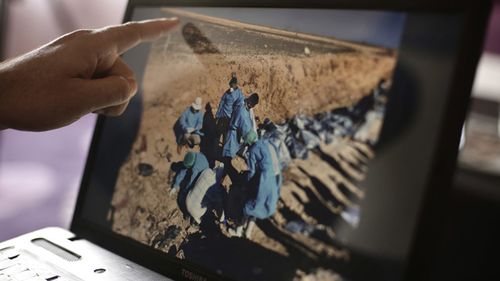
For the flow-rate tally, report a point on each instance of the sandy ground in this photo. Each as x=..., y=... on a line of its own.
x=316, y=190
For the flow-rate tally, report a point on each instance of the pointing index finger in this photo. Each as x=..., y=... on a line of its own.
x=125, y=36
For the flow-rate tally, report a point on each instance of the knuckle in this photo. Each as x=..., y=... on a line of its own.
x=122, y=89
x=106, y=29
x=80, y=32
x=131, y=24
x=134, y=28
x=73, y=35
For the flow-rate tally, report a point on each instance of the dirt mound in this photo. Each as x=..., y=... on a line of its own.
x=287, y=84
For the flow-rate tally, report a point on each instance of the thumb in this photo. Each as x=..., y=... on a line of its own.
x=108, y=91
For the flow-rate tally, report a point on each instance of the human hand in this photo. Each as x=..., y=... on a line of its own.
x=76, y=74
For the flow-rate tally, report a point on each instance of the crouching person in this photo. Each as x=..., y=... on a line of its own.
x=188, y=127
x=207, y=194
x=193, y=165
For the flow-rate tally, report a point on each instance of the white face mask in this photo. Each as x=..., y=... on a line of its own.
x=231, y=89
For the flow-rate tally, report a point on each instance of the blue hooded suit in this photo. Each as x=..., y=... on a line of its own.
x=188, y=119
x=262, y=182
x=227, y=103
x=200, y=164
x=241, y=123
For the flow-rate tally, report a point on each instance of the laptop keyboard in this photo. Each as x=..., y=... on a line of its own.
x=19, y=266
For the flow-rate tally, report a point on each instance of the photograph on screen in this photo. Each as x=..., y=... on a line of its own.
x=258, y=127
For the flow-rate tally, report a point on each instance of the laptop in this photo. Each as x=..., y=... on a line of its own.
x=273, y=140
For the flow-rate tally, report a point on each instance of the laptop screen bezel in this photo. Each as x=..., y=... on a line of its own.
x=438, y=185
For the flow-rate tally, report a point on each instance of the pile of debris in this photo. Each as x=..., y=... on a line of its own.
x=294, y=138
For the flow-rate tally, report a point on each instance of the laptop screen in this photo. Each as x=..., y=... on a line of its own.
x=257, y=146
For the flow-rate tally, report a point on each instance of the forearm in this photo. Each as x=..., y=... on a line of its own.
x=251, y=167
x=219, y=110
x=179, y=178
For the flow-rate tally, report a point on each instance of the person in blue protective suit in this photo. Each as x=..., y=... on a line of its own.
x=241, y=123
x=193, y=164
x=232, y=97
x=188, y=127
x=262, y=182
